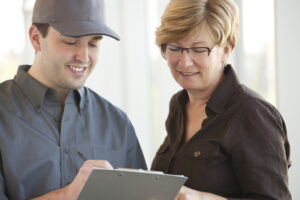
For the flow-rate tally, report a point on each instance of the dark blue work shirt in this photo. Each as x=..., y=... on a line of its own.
x=40, y=140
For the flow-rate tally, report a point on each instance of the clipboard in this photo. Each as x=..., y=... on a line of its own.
x=130, y=184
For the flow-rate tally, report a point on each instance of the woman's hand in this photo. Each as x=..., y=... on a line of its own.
x=186, y=193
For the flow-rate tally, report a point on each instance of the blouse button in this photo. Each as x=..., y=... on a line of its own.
x=197, y=154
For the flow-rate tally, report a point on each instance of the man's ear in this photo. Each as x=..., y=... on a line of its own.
x=35, y=37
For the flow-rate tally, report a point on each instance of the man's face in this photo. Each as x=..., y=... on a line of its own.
x=66, y=62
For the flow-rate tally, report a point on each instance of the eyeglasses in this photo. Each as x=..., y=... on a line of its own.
x=169, y=50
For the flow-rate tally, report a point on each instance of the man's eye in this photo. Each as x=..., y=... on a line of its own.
x=69, y=43
x=94, y=44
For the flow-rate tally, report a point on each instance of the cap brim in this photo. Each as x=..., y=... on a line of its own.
x=82, y=28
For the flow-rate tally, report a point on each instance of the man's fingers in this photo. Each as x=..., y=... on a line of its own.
x=87, y=168
x=100, y=164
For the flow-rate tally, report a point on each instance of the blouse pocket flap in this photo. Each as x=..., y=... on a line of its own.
x=203, y=151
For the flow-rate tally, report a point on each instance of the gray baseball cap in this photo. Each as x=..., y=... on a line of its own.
x=73, y=17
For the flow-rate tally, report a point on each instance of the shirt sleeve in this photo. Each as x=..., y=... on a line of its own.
x=135, y=157
x=2, y=183
x=260, y=155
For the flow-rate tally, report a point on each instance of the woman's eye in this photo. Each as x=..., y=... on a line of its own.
x=199, y=50
x=173, y=49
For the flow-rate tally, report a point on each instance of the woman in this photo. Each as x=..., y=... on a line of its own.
x=228, y=141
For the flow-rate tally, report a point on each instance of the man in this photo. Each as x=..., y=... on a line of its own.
x=49, y=122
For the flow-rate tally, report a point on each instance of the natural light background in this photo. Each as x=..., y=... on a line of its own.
x=11, y=37
x=132, y=74
x=258, y=40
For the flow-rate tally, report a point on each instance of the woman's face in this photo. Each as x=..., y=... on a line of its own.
x=198, y=69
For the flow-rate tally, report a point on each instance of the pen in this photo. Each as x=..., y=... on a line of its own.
x=82, y=156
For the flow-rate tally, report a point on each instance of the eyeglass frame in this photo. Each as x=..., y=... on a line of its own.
x=164, y=48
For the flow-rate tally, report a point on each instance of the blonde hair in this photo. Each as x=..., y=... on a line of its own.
x=184, y=17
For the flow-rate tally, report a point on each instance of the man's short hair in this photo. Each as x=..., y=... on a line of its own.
x=43, y=28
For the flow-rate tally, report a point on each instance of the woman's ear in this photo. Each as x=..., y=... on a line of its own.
x=35, y=37
x=225, y=54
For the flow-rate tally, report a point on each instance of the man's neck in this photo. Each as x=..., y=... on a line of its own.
x=61, y=93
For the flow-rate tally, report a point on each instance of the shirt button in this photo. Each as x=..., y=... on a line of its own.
x=67, y=150
x=197, y=154
x=38, y=107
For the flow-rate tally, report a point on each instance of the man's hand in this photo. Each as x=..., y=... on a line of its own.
x=83, y=174
x=72, y=191
x=186, y=193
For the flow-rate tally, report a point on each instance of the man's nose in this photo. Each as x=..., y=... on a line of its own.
x=82, y=54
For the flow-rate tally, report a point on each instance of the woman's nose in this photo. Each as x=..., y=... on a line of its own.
x=185, y=59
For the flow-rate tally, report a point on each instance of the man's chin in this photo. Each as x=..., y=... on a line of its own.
x=76, y=86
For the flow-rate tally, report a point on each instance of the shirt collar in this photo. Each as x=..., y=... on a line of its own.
x=82, y=97
x=31, y=88
x=220, y=97
x=36, y=91
x=224, y=92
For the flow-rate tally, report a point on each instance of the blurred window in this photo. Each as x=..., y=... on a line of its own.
x=255, y=54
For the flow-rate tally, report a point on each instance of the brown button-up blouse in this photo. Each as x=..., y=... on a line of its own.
x=241, y=151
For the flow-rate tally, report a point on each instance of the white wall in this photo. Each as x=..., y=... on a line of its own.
x=132, y=74
x=122, y=74
x=288, y=78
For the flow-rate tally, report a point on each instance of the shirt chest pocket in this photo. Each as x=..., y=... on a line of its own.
x=208, y=162
x=116, y=157
x=205, y=156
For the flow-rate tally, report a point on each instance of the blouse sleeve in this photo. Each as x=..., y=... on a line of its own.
x=260, y=154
